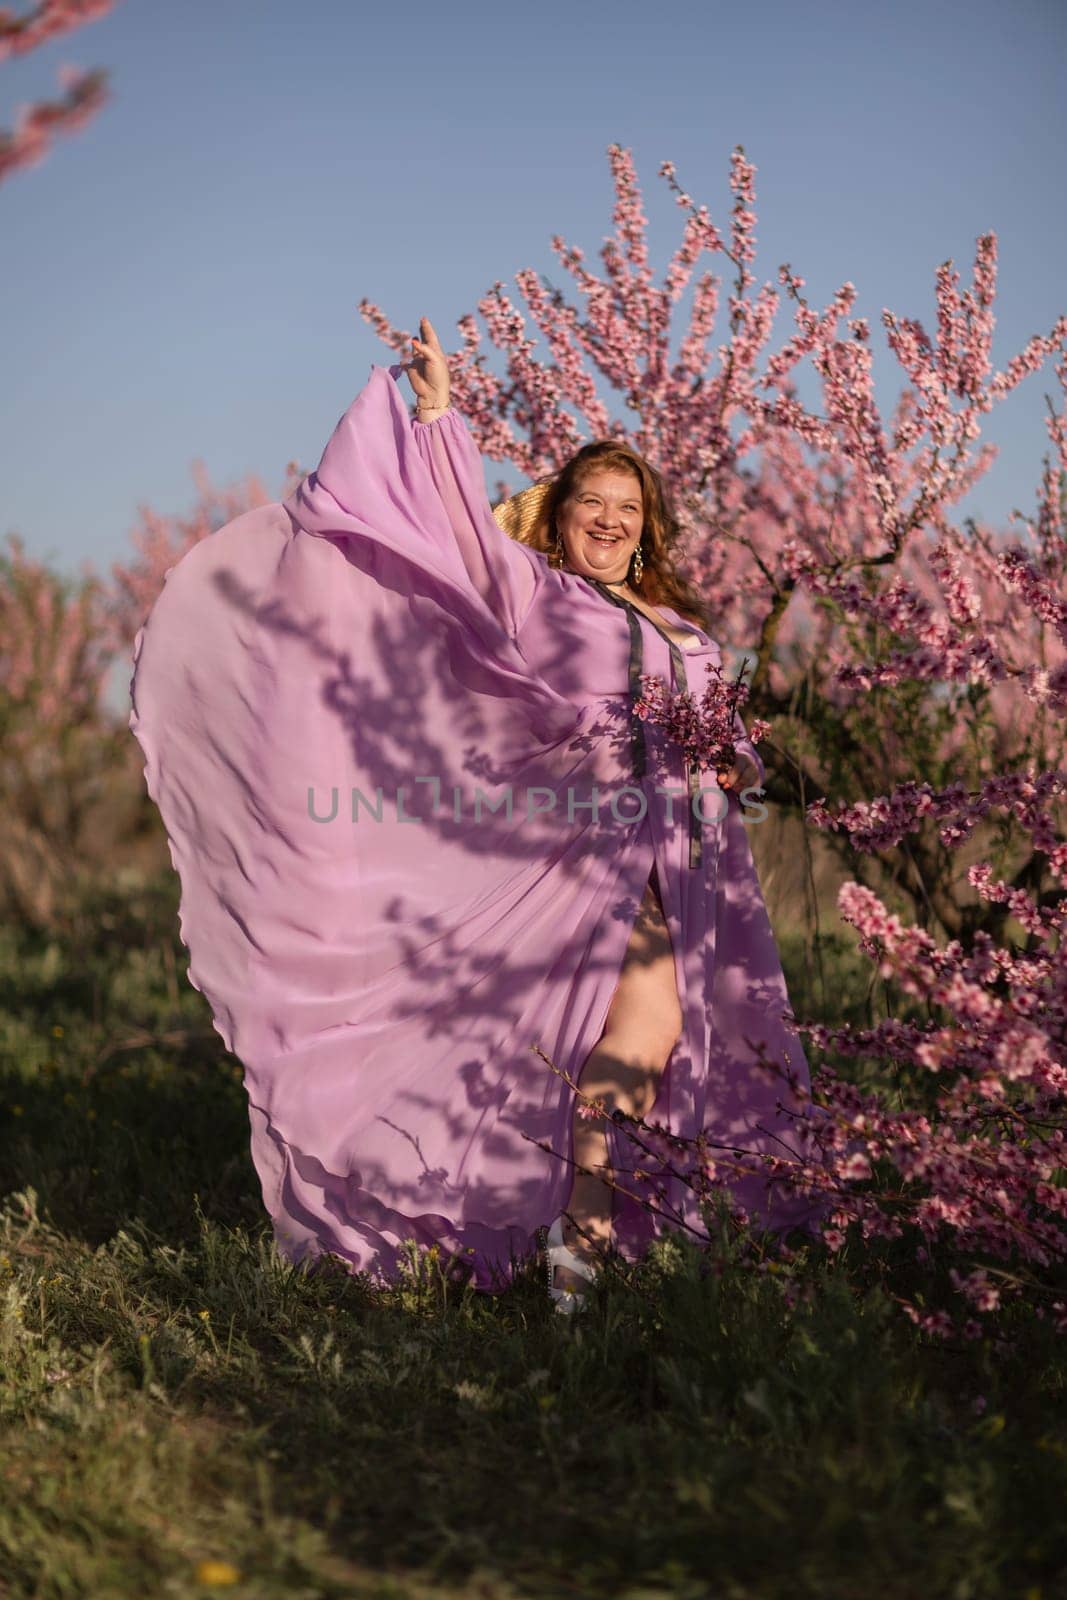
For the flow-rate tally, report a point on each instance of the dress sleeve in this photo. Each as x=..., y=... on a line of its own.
x=505, y=573
x=418, y=489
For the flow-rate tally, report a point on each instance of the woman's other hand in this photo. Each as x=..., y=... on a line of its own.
x=428, y=369
x=744, y=774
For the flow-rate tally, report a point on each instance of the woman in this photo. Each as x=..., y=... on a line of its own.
x=423, y=846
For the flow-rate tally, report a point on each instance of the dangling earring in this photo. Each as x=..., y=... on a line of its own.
x=555, y=557
x=638, y=564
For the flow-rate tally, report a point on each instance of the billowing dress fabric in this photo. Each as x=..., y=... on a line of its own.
x=393, y=754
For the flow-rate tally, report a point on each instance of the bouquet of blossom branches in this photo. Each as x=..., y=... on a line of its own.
x=705, y=728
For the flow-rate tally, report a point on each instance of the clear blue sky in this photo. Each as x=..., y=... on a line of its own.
x=180, y=280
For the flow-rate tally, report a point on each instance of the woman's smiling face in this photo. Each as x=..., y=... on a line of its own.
x=600, y=524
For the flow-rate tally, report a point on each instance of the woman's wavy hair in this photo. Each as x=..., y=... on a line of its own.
x=661, y=583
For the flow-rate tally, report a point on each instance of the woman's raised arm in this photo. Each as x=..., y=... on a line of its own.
x=418, y=489
x=505, y=573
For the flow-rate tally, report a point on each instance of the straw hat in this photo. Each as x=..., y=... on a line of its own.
x=518, y=514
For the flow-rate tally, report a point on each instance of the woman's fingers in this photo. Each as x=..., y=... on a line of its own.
x=429, y=341
x=427, y=368
x=430, y=364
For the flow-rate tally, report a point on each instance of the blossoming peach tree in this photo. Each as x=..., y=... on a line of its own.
x=913, y=668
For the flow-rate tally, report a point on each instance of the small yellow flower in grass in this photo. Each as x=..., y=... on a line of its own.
x=217, y=1574
x=16, y=1111
x=57, y=1032
x=204, y=1315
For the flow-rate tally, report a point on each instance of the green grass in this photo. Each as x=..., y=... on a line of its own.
x=173, y=1393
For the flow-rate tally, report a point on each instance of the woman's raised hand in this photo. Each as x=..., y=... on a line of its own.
x=428, y=369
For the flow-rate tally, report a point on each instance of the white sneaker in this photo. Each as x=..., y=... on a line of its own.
x=557, y=1255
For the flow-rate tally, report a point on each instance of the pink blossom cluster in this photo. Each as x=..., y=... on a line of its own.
x=706, y=728
x=58, y=747
x=54, y=651
x=161, y=542
x=882, y=822
x=36, y=126
x=48, y=20
x=979, y=1171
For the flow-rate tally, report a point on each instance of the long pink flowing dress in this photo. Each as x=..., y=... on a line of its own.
x=393, y=754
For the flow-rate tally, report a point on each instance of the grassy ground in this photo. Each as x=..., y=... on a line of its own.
x=180, y=1412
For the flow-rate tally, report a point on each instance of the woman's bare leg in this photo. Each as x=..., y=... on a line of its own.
x=625, y=1066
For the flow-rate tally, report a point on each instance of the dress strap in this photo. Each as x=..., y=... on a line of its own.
x=638, y=748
